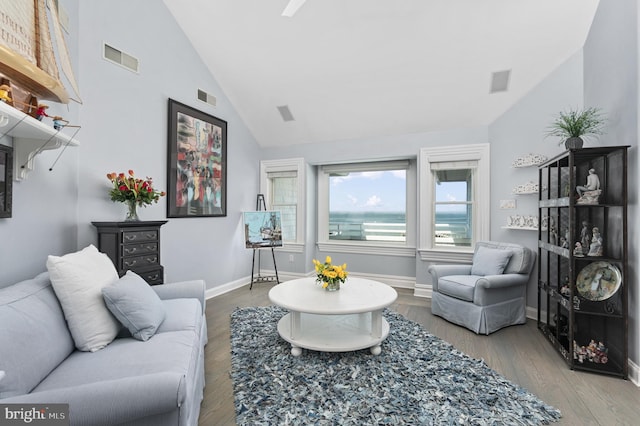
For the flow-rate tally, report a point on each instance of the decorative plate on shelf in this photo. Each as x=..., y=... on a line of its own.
x=598, y=281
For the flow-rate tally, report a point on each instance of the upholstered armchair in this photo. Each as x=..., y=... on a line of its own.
x=489, y=294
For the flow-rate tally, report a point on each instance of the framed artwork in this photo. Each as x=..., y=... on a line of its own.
x=262, y=229
x=196, y=163
x=6, y=180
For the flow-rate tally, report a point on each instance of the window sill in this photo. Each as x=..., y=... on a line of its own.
x=367, y=248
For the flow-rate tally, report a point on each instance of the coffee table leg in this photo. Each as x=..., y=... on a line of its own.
x=376, y=330
x=295, y=332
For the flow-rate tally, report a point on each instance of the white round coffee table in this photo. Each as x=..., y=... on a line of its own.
x=345, y=320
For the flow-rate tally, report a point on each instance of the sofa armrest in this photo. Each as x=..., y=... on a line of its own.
x=114, y=401
x=183, y=289
x=439, y=271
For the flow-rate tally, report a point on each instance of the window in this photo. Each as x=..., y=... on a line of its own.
x=366, y=204
x=282, y=182
x=284, y=198
x=453, y=204
x=454, y=201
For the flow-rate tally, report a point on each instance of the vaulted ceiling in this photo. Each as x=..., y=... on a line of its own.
x=351, y=69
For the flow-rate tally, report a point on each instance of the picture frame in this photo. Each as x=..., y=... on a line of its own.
x=196, y=163
x=262, y=229
x=6, y=180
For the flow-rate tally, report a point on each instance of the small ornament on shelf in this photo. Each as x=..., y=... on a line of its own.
x=529, y=160
x=527, y=188
x=590, y=192
x=593, y=352
x=595, y=247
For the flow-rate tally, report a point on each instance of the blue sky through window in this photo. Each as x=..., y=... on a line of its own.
x=379, y=191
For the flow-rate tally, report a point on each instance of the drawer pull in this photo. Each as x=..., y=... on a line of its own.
x=152, y=259
x=130, y=237
x=152, y=277
x=130, y=263
x=129, y=250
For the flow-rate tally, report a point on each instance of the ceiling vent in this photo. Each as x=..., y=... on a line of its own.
x=285, y=112
x=500, y=81
x=206, y=97
x=116, y=56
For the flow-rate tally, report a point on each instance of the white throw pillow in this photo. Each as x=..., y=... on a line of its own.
x=78, y=279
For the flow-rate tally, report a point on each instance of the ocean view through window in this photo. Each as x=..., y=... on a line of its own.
x=368, y=206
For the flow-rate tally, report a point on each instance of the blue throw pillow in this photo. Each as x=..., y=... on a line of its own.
x=134, y=303
x=490, y=261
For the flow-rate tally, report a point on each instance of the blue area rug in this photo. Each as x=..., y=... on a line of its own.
x=418, y=379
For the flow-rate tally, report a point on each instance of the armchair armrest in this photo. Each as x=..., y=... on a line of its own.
x=438, y=271
x=509, y=286
x=183, y=289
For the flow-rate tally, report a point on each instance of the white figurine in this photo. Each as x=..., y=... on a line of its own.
x=593, y=183
x=595, y=249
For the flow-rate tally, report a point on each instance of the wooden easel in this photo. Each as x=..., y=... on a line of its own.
x=261, y=205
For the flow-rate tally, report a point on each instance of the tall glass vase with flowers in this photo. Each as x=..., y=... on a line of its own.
x=133, y=191
x=331, y=276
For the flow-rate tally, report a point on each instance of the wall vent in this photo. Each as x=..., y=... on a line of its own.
x=118, y=57
x=500, y=81
x=285, y=112
x=206, y=97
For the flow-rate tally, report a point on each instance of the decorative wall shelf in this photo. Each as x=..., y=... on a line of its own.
x=527, y=188
x=529, y=160
x=522, y=222
x=30, y=137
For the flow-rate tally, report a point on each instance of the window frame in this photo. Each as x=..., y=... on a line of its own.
x=296, y=165
x=389, y=248
x=480, y=153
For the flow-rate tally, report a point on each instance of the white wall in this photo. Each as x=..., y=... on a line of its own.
x=519, y=131
x=124, y=120
x=611, y=82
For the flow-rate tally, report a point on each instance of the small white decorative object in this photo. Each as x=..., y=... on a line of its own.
x=529, y=160
x=517, y=221
x=507, y=204
x=528, y=188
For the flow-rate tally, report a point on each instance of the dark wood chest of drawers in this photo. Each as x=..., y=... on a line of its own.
x=133, y=246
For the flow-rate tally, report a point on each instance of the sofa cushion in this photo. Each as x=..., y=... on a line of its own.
x=458, y=286
x=135, y=305
x=78, y=279
x=489, y=261
x=34, y=337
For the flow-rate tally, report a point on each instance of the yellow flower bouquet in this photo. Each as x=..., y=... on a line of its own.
x=331, y=276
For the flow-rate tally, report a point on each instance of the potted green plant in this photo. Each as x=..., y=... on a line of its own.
x=576, y=125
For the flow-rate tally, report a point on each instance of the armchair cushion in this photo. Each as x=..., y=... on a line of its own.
x=490, y=261
x=459, y=286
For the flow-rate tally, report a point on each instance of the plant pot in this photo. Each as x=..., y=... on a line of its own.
x=573, y=143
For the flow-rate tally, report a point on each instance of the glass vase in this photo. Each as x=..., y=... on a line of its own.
x=335, y=286
x=132, y=212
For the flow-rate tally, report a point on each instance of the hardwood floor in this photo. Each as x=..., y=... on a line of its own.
x=519, y=353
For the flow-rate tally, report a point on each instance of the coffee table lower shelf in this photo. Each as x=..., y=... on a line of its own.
x=334, y=333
